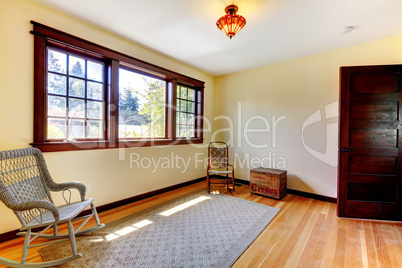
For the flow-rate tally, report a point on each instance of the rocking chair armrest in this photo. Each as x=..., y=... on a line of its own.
x=38, y=204
x=57, y=187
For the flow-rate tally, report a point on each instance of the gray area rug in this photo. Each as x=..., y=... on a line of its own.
x=203, y=231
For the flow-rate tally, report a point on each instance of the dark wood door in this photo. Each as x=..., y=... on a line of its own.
x=369, y=171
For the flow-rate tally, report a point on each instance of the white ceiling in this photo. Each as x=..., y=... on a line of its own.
x=276, y=30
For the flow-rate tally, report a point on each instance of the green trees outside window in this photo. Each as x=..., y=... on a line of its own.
x=142, y=105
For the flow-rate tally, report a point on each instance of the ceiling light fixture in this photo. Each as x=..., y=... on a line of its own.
x=231, y=23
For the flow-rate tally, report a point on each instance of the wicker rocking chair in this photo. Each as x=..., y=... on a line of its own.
x=218, y=165
x=25, y=185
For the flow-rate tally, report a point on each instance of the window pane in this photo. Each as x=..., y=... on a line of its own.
x=183, y=105
x=76, y=108
x=133, y=127
x=56, y=84
x=190, y=119
x=76, y=129
x=94, y=91
x=185, y=114
x=183, y=119
x=95, y=71
x=95, y=129
x=141, y=106
x=190, y=93
x=182, y=131
x=190, y=132
x=76, y=87
x=76, y=66
x=56, y=128
x=190, y=107
x=183, y=94
x=56, y=106
x=94, y=109
x=56, y=61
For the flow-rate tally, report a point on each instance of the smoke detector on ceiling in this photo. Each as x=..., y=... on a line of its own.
x=346, y=30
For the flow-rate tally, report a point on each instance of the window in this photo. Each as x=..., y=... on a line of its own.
x=90, y=97
x=185, y=115
x=75, y=90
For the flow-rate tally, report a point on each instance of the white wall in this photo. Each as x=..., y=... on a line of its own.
x=306, y=92
x=110, y=177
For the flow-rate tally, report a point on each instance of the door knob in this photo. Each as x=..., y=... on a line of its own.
x=345, y=150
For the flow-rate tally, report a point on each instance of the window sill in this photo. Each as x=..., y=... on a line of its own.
x=98, y=145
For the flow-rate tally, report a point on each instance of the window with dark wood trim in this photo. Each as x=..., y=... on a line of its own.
x=75, y=97
x=186, y=112
x=80, y=102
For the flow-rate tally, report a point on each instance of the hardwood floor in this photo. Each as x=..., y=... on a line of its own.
x=306, y=233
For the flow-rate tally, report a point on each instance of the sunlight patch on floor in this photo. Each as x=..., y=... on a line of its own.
x=111, y=237
x=184, y=206
x=97, y=240
x=128, y=229
x=142, y=223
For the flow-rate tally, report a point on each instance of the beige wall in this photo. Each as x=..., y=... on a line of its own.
x=306, y=92
x=301, y=91
x=110, y=177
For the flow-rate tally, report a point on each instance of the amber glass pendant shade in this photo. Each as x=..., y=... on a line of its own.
x=231, y=23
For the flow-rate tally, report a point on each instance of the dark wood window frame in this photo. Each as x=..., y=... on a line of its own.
x=45, y=36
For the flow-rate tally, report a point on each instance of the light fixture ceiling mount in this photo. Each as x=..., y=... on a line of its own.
x=231, y=23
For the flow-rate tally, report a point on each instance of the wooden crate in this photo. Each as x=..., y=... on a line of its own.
x=268, y=182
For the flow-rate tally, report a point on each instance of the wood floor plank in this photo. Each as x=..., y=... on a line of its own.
x=305, y=233
x=329, y=242
x=394, y=253
x=313, y=248
x=363, y=249
x=306, y=238
x=372, y=256
x=380, y=243
x=293, y=236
